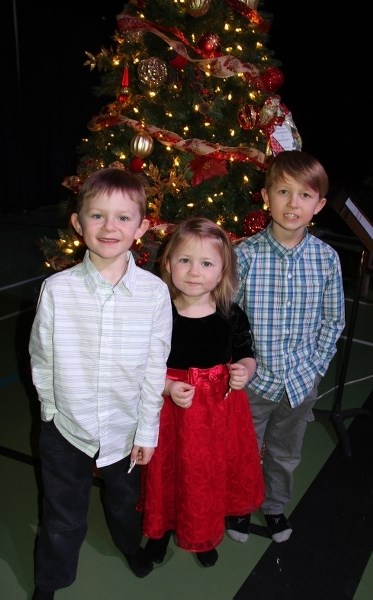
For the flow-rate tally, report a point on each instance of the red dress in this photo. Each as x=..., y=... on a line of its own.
x=206, y=465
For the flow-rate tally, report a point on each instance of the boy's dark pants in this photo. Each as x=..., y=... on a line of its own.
x=67, y=479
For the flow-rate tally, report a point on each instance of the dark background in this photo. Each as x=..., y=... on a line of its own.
x=48, y=95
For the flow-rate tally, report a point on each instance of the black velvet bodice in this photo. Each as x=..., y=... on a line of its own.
x=207, y=341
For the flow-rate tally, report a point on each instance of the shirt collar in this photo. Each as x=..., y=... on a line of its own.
x=93, y=279
x=281, y=250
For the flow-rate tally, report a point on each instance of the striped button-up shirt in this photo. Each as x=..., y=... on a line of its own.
x=98, y=357
x=295, y=303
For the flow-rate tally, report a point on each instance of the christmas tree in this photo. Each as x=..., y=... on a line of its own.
x=190, y=91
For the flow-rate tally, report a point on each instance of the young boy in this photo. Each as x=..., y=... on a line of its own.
x=99, y=345
x=290, y=286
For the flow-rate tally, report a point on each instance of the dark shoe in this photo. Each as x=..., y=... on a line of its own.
x=156, y=549
x=279, y=527
x=238, y=528
x=40, y=595
x=139, y=563
x=209, y=558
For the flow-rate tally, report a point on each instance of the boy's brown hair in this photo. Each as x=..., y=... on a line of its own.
x=301, y=166
x=113, y=179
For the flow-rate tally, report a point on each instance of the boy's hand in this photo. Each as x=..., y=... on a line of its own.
x=141, y=455
x=181, y=393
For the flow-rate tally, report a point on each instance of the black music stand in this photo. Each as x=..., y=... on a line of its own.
x=350, y=210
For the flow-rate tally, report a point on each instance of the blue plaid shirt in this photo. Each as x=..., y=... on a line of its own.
x=295, y=303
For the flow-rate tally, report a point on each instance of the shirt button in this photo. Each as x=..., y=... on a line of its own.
x=289, y=275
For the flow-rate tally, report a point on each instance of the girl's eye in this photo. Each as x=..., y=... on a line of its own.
x=206, y=263
x=96, y=216
x=184, y=260
x=124, y=218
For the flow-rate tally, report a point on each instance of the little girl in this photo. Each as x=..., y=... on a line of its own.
x=206, y=466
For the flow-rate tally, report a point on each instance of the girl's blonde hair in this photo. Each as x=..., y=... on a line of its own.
x=201, y=228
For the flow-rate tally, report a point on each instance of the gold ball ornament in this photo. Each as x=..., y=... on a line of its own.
x=250, y=3
x=142, y=145
x=197, y=8
x=152, y=72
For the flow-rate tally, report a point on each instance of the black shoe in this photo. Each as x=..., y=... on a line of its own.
x=279, y=527
x=40, y=595
x=208, y=558
x=139, y=563
x=238, y=528
x=156, y=549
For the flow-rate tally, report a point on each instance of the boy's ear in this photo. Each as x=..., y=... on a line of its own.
x=142, y=228
x=319, y=206
x=264, y=194
x=74, y=220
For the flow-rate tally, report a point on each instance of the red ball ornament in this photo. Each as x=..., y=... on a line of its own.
x=178, y=61
x=257, y=198
x=256, y=221
x=136, y=164
x=233, y=236
x=271, y=80
x=143, y=259
x=210, y=45
x=153, y=221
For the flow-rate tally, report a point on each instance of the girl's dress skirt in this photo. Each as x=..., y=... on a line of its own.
x=206, y=465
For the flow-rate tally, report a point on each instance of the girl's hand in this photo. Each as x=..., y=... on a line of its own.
x=181, y=393
x=241, y=373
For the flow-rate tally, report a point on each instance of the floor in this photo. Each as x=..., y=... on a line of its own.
x=329, y=555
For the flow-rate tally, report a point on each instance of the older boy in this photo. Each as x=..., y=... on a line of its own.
x=292, y=291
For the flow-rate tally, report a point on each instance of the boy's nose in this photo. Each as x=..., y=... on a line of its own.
x=293, y=200
x=109, y=224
